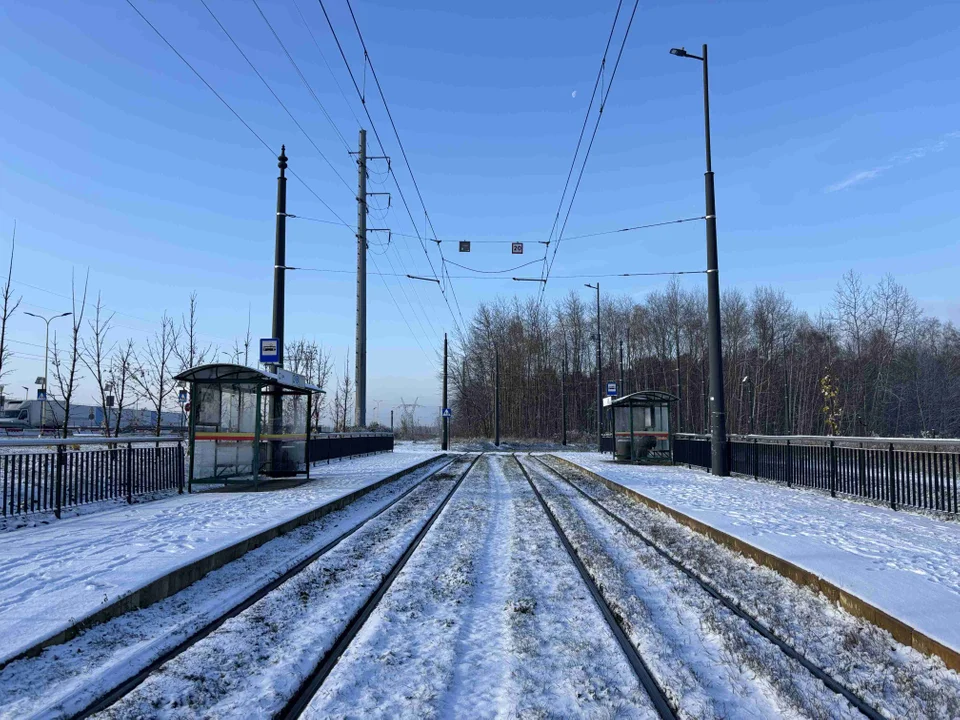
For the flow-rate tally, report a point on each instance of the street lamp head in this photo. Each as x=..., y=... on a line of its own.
x=679, y=52
x=64, y=314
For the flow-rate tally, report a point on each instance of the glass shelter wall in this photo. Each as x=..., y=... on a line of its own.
x=642, y=426
x=226, y=428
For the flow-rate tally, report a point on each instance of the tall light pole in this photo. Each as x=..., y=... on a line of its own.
x=719, y=461
x=46, y=357
x=751, y=386
x=599, y=393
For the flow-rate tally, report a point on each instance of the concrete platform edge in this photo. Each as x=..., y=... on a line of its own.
x=850, y=602
x=176, y=580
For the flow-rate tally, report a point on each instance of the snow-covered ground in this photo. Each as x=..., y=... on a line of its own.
x=55, y=575
x=253, y=664
x=903, y=563
x=488, y=619
x=900, y=681
x=64, y=679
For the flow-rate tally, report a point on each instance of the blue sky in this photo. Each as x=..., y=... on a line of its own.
x=835, y=141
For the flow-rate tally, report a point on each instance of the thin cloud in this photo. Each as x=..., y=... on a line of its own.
x=901, y=158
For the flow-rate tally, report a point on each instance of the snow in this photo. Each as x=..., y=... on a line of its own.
x=64, y=679
x=709, y=661
x=488, y=619
x=903, y=563
x=56, y=575
x=898, y=680
x=253, y=664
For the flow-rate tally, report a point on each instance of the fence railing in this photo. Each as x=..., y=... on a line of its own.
x=76, y=472
x=905, y=472
x=336, y=445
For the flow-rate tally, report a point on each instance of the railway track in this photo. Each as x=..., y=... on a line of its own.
x=123, y=689
x=657, y=696
x=756, y=625
x=299, y=701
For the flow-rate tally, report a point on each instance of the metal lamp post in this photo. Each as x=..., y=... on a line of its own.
x=720, y=462
x=599, y=392
x=46, y=357
x=751, y=386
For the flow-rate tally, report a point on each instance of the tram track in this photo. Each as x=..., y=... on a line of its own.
x=299, y=701
x=129, y=685
x=817, y=672
x=648, y=682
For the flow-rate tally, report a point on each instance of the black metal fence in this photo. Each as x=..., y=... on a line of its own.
x=898, y=473
x=72, y=474
x=339, y=445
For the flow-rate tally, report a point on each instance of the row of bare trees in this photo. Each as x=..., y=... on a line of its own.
x=870, y=364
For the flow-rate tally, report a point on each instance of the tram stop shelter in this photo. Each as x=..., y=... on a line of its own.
x=641, y=426
x=246, y=423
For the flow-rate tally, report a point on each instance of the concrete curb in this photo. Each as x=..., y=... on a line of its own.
x=176, y=580
x=853, y=604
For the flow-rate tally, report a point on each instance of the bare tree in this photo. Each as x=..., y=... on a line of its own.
x=187, y=346
x=240, y=355
x=65, y=368
x=155, y=367
x=120, y=372
x=94, y=353
x=9, y=307
x=342, y=397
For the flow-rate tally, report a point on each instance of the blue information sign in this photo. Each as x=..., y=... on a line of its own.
x=269, y=350
x=611, y=388
x=447, y=412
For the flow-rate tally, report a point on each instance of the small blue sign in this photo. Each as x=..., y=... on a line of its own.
x=269, y=350
x=611, y=389
x=447, y=412
x=41, y=394
x=182, y=396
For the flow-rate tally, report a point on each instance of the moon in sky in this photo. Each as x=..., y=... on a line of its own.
x=573, y=94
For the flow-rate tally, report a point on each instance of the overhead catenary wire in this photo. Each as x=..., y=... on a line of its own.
x=229, y=107
x=303, y=78
x=276, y=97
x=339, y=219
x=326, y=64
x=362, y=95
x=492, y=272
x=603, y=101
x=582, y=276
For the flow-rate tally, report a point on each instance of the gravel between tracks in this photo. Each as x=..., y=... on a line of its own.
x=253, y=663
x=894, y=678
x=489, y=619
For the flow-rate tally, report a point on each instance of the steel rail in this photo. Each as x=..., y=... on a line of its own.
x=298, y=703
x=128, y=685
x=788, y=650
x=637, y=663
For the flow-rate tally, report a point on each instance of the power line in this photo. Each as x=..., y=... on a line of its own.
x=303, y=78
x=582, y=276
x=272, y=92
x=603, y=101
x=492, y=272
x=361, y=94
x=229, y=107
x=323, y=57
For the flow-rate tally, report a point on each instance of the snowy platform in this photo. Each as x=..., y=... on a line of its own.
x=903, y=564
x=55, y=576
